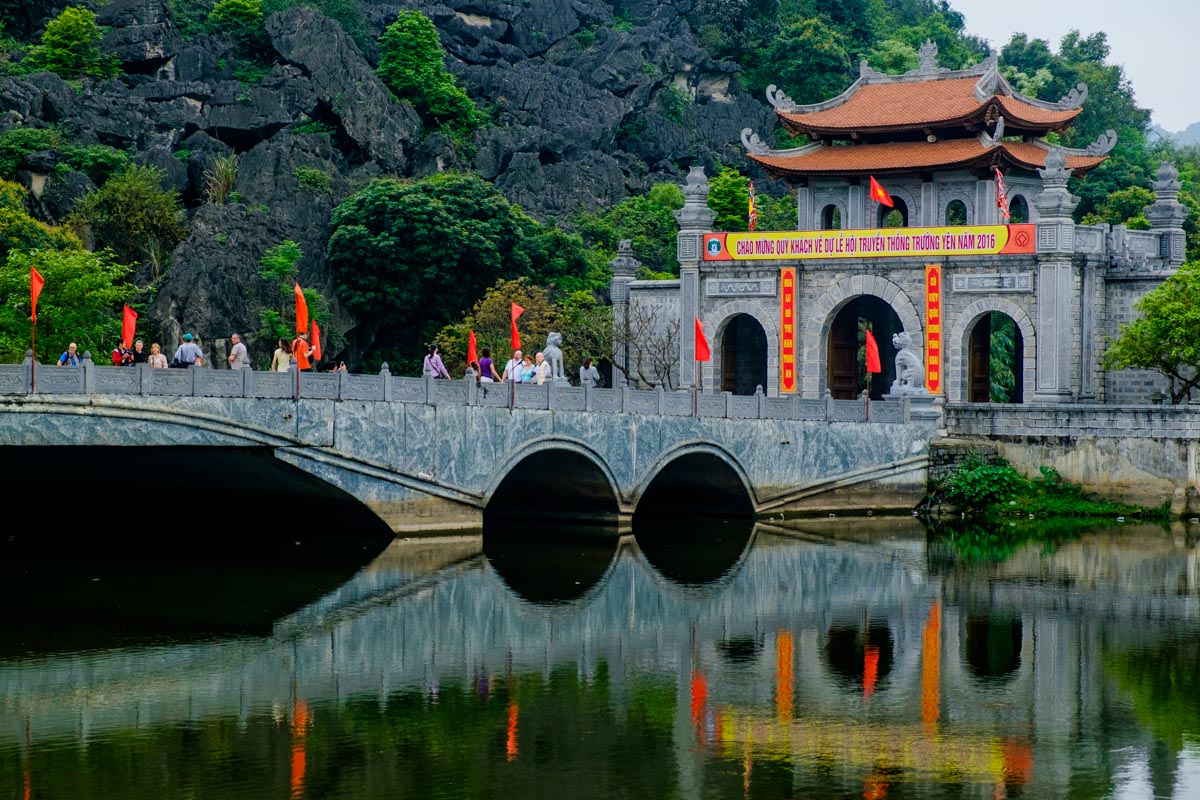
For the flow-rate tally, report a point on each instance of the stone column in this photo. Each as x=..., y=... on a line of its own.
x=1166, y=215
x=804, y=210
x=856, y=208
x=986, y=212
x=929, y=205
x=695, y=219
x=624, y=268
x=1056, y=318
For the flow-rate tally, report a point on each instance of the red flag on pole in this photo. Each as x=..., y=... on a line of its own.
x=873, y=364
x=753, y=210
x=516, y=337
x=702, y=351
x=36, y=282
x=301, y=311
x=316, y=342
x=879, y=195
x=471, y=356
x=1001, y=195
x=128, y=327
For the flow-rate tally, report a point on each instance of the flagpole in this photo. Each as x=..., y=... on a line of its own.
x=696, y=389
x=33, y=354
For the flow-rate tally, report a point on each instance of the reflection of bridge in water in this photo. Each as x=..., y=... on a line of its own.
x=954, y=669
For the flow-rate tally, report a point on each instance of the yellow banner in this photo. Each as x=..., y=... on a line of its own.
x=977, y=240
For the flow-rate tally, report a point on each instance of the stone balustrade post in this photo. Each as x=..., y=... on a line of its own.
x=661, y=398
x=27, y=379
x=551, y=396
x=294, y=377
x=89, y=373
x=472, y=390
x=728, y=405
x=828, y=406
x=385, y=375
x=625, y=390
x=906, y=409
x=1167, y=215
x=762, y=401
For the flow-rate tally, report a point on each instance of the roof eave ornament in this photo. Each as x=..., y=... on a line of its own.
x=754, y=143
x=1104, y=143
x=1055, y=174
x=997, y=135
x=779, y=100
x=990, y=81
x=927, y=60
x=1069, y=102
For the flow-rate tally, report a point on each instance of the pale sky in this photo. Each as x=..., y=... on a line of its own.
x=1157, y=41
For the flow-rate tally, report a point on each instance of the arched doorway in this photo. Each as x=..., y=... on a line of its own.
x=894, y=217
x=743, y=356
x=995, y=360
x=1018, y=210
x=847, y=361
x=831, y=218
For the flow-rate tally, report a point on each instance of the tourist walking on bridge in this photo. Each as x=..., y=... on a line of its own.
x=589, y=376
x=301, y=351
x=512, y=370
x=282, y=357
x=157, y=360
x=71, y=357
x=433, y=364
x=188, y=353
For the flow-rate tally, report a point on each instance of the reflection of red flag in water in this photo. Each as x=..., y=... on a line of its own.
x=316, y=342
x=299, y=748
x=699, y=699
x=510, y=739
x=931, y=655
x=301, y=311
x=784, y=684
x=516, y=337
x=702, y=351
x=471, y=357
x=872, y=353
x=36, y=282
x=128, y=327
x=870, y=669
x=879, y=194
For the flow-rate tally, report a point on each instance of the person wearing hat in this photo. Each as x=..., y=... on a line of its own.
x=301, y=351
x=188, y=353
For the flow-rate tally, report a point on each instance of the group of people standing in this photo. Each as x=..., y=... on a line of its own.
x=189, y=352
x=521, y=368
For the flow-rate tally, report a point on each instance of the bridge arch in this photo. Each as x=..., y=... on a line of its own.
x=818, y=325
x=527, y=483
x=695, y=478
x=958, y=349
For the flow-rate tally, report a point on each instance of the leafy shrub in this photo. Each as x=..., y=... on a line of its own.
x=98, y=161
x=315, y=128
x=132, y=214
x=70, y=47
x=18, y=143
x=241, y=19
x=20, y=232
x=675, y=101
x=976, y=486
x=314, y=180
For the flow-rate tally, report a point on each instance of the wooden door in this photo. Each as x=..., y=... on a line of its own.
x=979, y=369
x=729, y=349
x=843, y=354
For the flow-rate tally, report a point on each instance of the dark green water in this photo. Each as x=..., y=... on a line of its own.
x=838, y=659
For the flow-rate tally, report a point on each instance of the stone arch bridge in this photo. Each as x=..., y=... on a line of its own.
x=429, y=455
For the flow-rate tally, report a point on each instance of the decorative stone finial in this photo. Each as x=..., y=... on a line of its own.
x=753, y=143
x=780, y=101
x=624, y=265
x=1103, y=144
x=927, y=57
x=695, y=214
x=1055, y=173
x=1166, y=214
x=1168, y=179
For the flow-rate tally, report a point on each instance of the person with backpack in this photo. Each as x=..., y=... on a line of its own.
x=188, y=353
x=71, y=357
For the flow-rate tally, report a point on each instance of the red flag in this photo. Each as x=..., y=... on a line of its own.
x=316, y=342
x=128, y=327
x=872, y=354
x=702, y=351
x=301, y=311
x=471, y=356
x=1001, y=195
x=516, y=337
x=36, y=282
x=879, y=195
x=753, y=210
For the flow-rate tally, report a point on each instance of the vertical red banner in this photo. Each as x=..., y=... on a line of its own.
x=787, y=328
x=933, y=328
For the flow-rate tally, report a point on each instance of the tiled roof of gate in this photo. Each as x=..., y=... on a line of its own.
x=917, y=105
x=896, y=157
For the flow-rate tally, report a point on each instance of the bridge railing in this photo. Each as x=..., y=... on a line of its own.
x=94, y=379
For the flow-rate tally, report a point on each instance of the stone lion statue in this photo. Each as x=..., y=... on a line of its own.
x=553, y=354
x=910, y=371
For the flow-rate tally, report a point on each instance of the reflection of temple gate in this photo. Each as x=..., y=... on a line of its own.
x=847, y=347
x=995, y=345
x=743, y=356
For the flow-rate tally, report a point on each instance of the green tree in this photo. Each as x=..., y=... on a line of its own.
x=729, y=196
x=809, y=60
x=20, y=232
x=132, y=214
x=490, y=319
x=1163, y=338
x=80, y=302
x=241, y=19
x=646, y=220
x=1123, y=207
x=412, y=256
x=411, y=64
x=71, y=47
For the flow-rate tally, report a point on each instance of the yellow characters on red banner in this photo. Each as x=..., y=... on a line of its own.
x=787, y=338
x=933, y=328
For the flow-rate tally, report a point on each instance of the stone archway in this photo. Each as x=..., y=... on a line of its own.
x=711, y=370
x=743, y=356
x=813, y=369
x=958, y=346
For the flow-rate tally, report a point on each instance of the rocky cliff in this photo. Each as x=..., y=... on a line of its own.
x=588, y=102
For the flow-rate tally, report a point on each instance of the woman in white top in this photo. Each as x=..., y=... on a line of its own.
x=282, y=357
x=156, y=359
